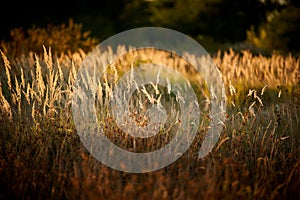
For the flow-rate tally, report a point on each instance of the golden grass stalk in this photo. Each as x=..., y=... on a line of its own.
x=7, y=70
x=4, y=105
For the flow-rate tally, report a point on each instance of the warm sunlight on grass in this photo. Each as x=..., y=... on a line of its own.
x=256, y=157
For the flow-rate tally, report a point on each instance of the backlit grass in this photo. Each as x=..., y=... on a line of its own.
x=256, y=157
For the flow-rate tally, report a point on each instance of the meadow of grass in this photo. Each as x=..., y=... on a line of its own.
x=256, y=157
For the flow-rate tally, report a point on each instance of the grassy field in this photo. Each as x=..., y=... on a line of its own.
x=256, y=157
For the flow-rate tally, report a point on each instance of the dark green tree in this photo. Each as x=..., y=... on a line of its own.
x=279, y=31
x=177, y=14
x=135, y=14
x=211, y=22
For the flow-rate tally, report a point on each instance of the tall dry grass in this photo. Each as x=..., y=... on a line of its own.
x=256, y=157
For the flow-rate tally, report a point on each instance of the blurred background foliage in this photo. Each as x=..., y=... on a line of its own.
x=263, y=26
x=64, y=38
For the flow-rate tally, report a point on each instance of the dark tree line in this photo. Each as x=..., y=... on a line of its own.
x=263, y=24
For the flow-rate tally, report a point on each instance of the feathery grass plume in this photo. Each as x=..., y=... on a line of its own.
x=258, y=98
x=149, y=96
x=108, y=90
x=7, y=70
x=168, y=86
x=115, y=72
x=251, y=91
x=48, y=58
x=72, y=76
x=39, y=84
x=23, y=84
x=17, y=96
x=155, y=87
x=279, y=94
x=53, y=89
x=158, y=100
x=45, y=103
x=232, y=89
x=141, y=105
x=263, y=90
x=26, y=94
x=60, y=72
x=4, y=104
x=251, y=109
x=100, y=93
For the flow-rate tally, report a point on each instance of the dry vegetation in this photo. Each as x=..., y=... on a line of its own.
x=257, y=156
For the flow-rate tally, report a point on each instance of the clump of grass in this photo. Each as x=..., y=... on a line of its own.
x=257, y=156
